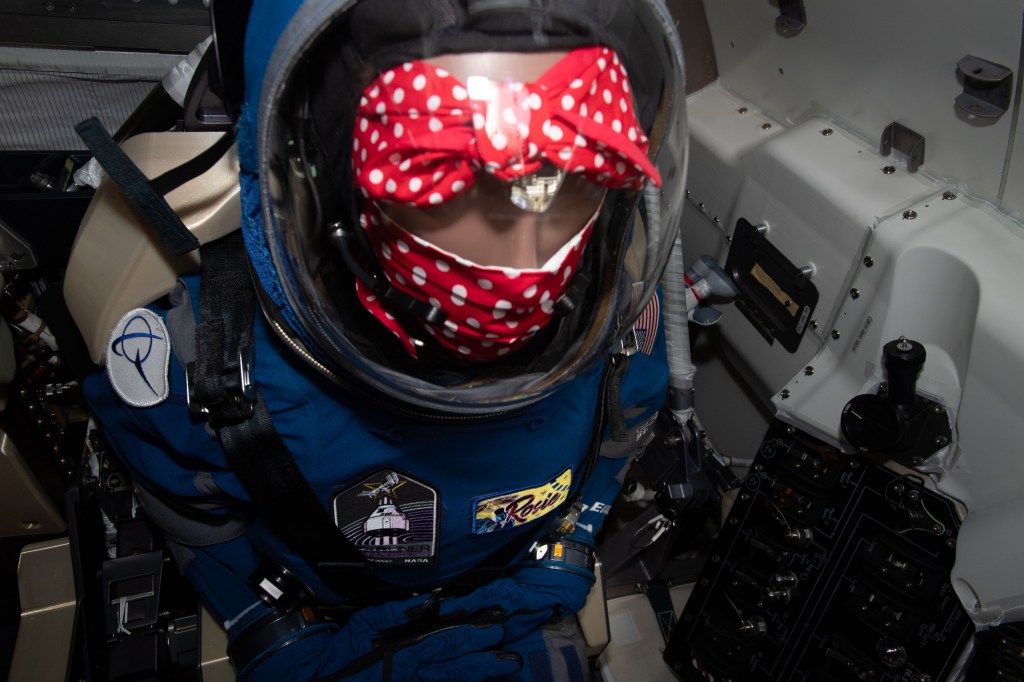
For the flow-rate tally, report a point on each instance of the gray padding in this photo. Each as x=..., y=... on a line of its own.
x=190, y=524
x=181, y=325
x=637, y=439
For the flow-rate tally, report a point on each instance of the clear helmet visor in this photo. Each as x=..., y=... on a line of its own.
x=449, y=169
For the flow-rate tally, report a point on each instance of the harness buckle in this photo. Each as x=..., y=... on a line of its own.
x=234, y=401
x=630, y=343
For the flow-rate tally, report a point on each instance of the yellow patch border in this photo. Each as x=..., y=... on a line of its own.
x=515, y=508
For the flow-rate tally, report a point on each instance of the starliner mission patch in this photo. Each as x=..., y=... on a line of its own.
x=138, y=354
x=392, y=518
x=511, y=509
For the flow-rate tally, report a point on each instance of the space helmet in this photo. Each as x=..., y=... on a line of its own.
x=458, y=206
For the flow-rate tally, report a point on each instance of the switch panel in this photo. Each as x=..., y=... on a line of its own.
x=829, y=568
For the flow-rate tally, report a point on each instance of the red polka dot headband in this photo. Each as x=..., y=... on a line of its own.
x=421, y=135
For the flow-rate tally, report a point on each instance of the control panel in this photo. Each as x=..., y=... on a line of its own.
x=829, y=568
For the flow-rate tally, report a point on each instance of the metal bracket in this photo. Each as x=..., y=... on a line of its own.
x=986, y=87
x=792, y=17
x=905, y=140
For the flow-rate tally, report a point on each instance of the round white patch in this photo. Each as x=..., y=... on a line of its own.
x=138, y=355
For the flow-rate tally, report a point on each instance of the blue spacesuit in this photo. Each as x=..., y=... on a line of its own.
x=464, y=491
x=470, y=491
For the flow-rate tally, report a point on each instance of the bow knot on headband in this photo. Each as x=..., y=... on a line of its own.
x=421, y=135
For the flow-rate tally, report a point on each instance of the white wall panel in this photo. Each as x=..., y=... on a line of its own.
x=868, y=63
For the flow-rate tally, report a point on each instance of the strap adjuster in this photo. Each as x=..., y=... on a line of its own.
x=240, y=393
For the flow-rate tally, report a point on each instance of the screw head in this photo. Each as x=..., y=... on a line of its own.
x=784, y=393
x=766, y=126
x=948, y=196
x=827, y=131
x=814, y=324
x=741, y=110
x=808, y=370
x=869, y=262
x=889, y=170
x=854, y=293
x=909, y=215
x=835, y=334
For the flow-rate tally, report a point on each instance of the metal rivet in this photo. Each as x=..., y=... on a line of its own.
x=741, y=110
x=948, y=196
x=808, y=370
x=909, y=215
x=814, y=324
x=827, y=131
x=766, y=126
x=889, y=170
x=784, y=393
x=868, y=261
x=835, y=334
x=855, y=293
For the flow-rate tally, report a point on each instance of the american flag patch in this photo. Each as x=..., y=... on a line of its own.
x=646, y=326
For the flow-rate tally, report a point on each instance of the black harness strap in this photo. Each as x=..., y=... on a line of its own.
x=151, y=205
x=239, y=415
x=145, y=195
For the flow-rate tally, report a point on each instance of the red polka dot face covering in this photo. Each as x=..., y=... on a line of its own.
x=421, y=135
x=490, y=311
x=421, y=138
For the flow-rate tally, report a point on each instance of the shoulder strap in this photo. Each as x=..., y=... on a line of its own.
x=146, y=195
x=219, y=385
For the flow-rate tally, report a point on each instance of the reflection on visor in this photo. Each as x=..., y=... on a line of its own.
x=536, y=191
x=422, y=136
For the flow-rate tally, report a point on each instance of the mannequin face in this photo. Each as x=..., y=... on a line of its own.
x=482, y=224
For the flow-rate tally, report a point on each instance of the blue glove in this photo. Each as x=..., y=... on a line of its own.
x=535, y=593
x=404, y=640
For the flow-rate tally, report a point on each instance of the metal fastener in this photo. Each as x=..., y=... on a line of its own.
x=784, y=393
x=808, y=371
x=827, y=131
x=835, y=334
x=869, y=261
x=741, y=110
x=889, y=170
x=855, y=293
x=909, y=215
x=948, y=196
x=814, y=324
x=766, y=126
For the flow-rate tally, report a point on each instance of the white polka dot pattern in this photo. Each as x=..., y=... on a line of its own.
x=578, y=116
x=490, y=311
